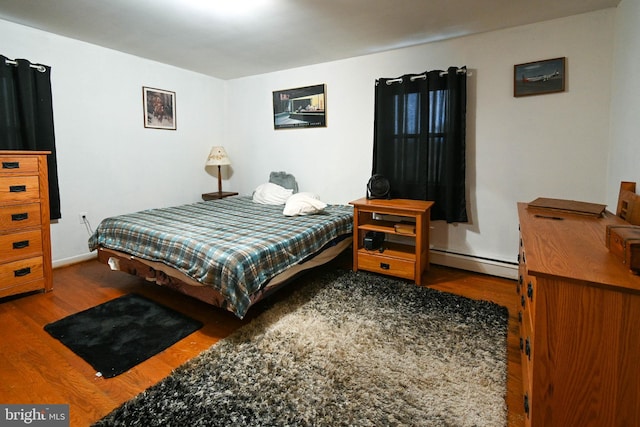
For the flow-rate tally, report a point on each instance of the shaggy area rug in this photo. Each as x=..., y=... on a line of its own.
x=115, y=336
x=349, y=348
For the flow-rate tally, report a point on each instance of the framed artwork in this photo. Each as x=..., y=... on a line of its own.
x=536, y=78
x=159, y=108
x=302, y=107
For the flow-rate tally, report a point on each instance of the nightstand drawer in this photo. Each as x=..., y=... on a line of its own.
x=19, y=272
x=14, y=217
x=386, y=265
x=19, y=188
x=20, y=245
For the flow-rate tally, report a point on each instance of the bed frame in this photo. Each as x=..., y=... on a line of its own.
x=162, y=275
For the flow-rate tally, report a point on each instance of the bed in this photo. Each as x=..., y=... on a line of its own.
x=230, y=252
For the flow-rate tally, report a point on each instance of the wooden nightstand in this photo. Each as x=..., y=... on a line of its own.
x=405, y=250
x=217, y=195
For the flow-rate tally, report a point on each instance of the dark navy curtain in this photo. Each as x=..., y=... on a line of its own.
x=26, y=116
x=419, y=139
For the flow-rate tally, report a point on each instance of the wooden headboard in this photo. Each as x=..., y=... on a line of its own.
x=628, y=203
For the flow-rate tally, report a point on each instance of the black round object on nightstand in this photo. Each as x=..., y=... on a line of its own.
x=378, y=187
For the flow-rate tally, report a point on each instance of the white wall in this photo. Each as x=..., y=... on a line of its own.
x=553, y=145
x=624, y=162
x=108, y=163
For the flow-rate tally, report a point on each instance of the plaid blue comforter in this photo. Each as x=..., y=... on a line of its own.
x=234, y=244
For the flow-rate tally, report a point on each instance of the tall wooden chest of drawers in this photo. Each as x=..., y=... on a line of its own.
x=579, y=323
x=25, y=242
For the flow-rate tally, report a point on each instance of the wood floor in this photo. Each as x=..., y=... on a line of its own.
x=35, y=368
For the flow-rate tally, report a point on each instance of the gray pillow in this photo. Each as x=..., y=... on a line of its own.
x=284, y=179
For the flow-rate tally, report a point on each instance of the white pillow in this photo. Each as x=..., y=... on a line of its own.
x=303, y=204
x=271, y=194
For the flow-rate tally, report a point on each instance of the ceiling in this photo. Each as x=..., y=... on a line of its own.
x=236, y=38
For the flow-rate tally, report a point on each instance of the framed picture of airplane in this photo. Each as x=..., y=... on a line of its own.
x=539, y=77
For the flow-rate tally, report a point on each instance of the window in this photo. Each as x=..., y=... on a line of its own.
x=419, y=139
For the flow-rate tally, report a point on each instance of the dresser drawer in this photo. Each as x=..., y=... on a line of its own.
x=14, y=217
x=19, y=165
x=527, y=349
x=20, y=245
x=386, y=265
x=529, y=294
x=19, y=188
x=19, y=272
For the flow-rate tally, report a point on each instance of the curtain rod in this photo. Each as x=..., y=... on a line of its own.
x=424, y=76
x=38, y=67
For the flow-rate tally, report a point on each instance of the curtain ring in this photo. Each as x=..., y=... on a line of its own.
x=392, y=81
x=38, y=67
x=458, y=71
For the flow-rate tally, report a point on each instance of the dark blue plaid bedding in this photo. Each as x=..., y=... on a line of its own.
x=234, y=244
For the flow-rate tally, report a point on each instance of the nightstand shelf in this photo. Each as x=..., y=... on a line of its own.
x=384, y=227
x=217, y=195
x=394, y=250
x=403, y=253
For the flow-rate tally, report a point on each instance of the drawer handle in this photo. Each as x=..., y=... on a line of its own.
x=384, y=266
x=21, y=245
x=530, y=290
x=10, y=165
x=22, y=272
x=19, y=216
x=17, y=188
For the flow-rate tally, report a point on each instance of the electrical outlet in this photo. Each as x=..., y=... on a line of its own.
x=82, y=216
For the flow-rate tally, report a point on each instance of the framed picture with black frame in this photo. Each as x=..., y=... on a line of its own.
x=539, y=77
x=302, y=107
x=159, y=108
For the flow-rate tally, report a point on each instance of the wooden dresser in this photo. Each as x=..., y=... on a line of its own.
x=25, y=242
x=580, y=323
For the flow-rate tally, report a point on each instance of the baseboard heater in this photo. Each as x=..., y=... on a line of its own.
x=478, y=264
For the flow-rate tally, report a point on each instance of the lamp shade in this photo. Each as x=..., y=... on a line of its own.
x=218, y=157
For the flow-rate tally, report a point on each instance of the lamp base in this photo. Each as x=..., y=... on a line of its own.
x=219, y=180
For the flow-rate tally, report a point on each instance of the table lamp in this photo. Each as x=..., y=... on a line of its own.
x=218, y=157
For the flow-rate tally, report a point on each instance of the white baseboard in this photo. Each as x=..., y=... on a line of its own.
x=475, y=264
x=438, y=257
x=74, y=260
